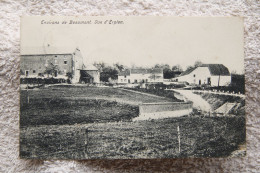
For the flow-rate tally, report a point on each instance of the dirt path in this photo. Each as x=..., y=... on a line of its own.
x=198, y=101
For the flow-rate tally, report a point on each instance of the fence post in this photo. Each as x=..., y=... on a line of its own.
x=85, y=142
x=179, y=138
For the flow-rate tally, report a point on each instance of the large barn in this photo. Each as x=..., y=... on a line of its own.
x=55, y=62
x=141, y=75
x=206, y=74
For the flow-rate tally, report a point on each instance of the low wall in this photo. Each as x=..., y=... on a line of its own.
x=164, y=107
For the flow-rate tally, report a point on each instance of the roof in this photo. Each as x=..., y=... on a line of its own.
x=188, y=71
x=47, y=50
x=215, y=69
x=147, y=71
x=124, y=73
x=90, y=67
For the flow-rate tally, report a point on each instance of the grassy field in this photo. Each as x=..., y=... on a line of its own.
x=200, y=137
x=84, y=122
x=69, y=105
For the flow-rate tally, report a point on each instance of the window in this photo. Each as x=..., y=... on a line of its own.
x=26, y=72
x=65, y=62
x=125, y=76
x=125, y=80
x=194, y=75
x=34, y=71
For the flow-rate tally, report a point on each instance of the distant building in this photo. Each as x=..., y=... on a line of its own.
x=54, y=62
x=208, y=74
x=89, y=74
x=141, y=76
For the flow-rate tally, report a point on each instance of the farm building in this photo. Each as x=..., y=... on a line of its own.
x=89, y=74
x=45, y=62
x=141, y=76
x=208, y=74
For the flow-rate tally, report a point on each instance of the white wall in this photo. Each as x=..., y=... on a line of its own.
x=223, y=80
x=146, y=77
x=202, y=74
x=140, y=77
x=123, y=79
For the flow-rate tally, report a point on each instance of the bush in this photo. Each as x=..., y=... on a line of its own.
x=42, y=81
x=159, y=92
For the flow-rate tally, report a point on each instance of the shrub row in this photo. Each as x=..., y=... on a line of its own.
x=158, y=92
x=43, y=80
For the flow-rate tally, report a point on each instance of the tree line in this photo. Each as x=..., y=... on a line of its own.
x=110, y=72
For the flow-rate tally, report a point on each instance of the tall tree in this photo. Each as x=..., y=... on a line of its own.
x=197, y=63
x=99, y=65
x=119, y=67
x=167, y=71
x=107, y=73
x=177, y=68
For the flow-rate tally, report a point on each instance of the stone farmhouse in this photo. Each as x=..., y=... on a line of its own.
x=45, y=62
x=141, y=75
x=208, y=74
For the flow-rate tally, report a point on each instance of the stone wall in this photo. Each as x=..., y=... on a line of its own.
x=164, y=107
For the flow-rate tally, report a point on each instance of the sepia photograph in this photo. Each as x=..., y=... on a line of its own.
x=132, y=87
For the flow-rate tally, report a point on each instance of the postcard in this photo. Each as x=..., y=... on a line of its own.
x=117, y=87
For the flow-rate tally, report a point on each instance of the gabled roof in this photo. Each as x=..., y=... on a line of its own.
x=90, y=67
x=147, y=71
x=188, y=71
x=215, y=69
x=47, y=50
x=127, y=72
x=124, y=73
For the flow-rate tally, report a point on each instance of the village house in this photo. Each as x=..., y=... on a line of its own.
x=206, y=74
x=141, y=75
x=45, y=62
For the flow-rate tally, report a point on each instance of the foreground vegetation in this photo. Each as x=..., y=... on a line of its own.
x=200, y=137
x=68, y=122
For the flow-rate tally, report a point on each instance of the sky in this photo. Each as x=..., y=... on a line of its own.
x=143, y=41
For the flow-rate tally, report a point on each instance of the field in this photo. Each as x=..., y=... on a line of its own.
x=61, y=105
x=92, y=125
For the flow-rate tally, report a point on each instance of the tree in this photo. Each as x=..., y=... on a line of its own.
x=167, y=72
x=119, y=67
x=197, y=63
x=108, y=72
x=52, y=70
x=99, y=65
x=177, y=68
